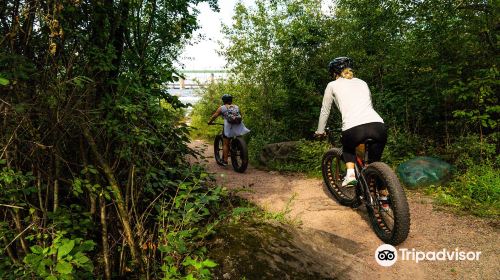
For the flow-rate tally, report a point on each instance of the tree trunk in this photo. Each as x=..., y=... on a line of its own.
x=105, y=243
x=118, y=198
x=17, y=220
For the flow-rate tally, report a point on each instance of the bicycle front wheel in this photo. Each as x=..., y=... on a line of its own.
x=218, y=146
x=239, y=154
x=389, y=212
x=334, y=170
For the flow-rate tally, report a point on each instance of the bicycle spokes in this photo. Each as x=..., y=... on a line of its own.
x=239, y=154
x=381, y=204
x=378, y=189
x=334, y=171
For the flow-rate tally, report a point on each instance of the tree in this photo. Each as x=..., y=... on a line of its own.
x=80, y=91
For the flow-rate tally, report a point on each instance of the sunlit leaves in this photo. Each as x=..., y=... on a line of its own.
x=3, y=81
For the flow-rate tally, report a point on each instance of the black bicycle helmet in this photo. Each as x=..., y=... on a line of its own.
x=338, y=64
x=227, y=98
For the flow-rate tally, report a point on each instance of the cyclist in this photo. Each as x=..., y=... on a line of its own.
x=232, y=128
x=359, y=119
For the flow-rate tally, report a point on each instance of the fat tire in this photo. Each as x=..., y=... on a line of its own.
x=240, y=144
x=218, y=146
x=334, y=186
x=399, y=205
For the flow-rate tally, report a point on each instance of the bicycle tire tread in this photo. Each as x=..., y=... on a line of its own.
x=400, y=205
x=329, y=156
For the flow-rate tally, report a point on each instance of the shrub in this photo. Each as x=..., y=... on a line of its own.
x=306, y=158
x=476, y=191
x=469, y=150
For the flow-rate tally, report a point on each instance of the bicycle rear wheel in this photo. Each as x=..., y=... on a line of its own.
x=334, y=170
x=239, y=154
x=392, y=222
x=218, y=146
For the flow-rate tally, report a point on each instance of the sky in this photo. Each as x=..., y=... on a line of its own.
x=202, y=55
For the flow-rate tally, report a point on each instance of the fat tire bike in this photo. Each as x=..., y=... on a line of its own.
x=238, y=151
x=390, y=218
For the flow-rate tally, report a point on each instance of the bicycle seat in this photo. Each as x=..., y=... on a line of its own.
x=369, y=141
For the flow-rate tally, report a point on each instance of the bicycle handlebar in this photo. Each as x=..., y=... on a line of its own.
x=328, y=134
x=329, y=131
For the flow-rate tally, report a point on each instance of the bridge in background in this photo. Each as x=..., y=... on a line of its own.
x=198, y=78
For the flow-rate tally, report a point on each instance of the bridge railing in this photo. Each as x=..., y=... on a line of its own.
x=193, y=79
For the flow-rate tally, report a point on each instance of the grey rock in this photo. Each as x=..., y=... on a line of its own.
x=277, y=151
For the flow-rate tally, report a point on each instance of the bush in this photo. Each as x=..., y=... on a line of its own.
x=202, y=111
x=402, y=146
x=306, y=158
x=255, y=146
x=476, y=191
x=469, y=150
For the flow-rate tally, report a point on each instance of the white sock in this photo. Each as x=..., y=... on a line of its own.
x=350, y=173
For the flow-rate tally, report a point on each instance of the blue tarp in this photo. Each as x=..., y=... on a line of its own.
x=424, y=171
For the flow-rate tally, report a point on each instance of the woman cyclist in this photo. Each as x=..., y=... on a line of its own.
x=231, y=128
x=359, y=119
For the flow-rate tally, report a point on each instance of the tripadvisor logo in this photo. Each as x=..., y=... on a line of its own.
x=387, y=255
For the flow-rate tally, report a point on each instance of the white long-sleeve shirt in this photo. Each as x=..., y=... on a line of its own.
x=352, y=97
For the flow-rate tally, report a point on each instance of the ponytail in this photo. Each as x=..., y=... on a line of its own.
x=347, y=73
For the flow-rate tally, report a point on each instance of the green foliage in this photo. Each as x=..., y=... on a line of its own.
x=63, y=259
x=273, y=53
x=3, y=81
x=477, y=191
x=282, y=216
x=200, y=269
x=183, y=229
x=402, y=146
x=256, y=144
x=480, y=90
x=431, y=67
x=428, y=63
x=470, y=150
x=88, y=130
x=14, y=185
x=429, y=55
x=306, y=158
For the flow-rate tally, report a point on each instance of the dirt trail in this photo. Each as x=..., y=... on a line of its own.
x=312, y=205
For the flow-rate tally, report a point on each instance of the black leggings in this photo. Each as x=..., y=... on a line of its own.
x=358, y=135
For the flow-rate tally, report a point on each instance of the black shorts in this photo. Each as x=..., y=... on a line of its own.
x=358, y=135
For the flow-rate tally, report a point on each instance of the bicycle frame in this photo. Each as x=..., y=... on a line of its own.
x=359, y=167
x=377, y=187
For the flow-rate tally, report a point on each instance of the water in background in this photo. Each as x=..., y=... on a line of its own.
x=187, y=95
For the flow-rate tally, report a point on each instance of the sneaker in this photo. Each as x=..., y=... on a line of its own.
x=384, y=202
x=224, y=163
x=349, y=181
